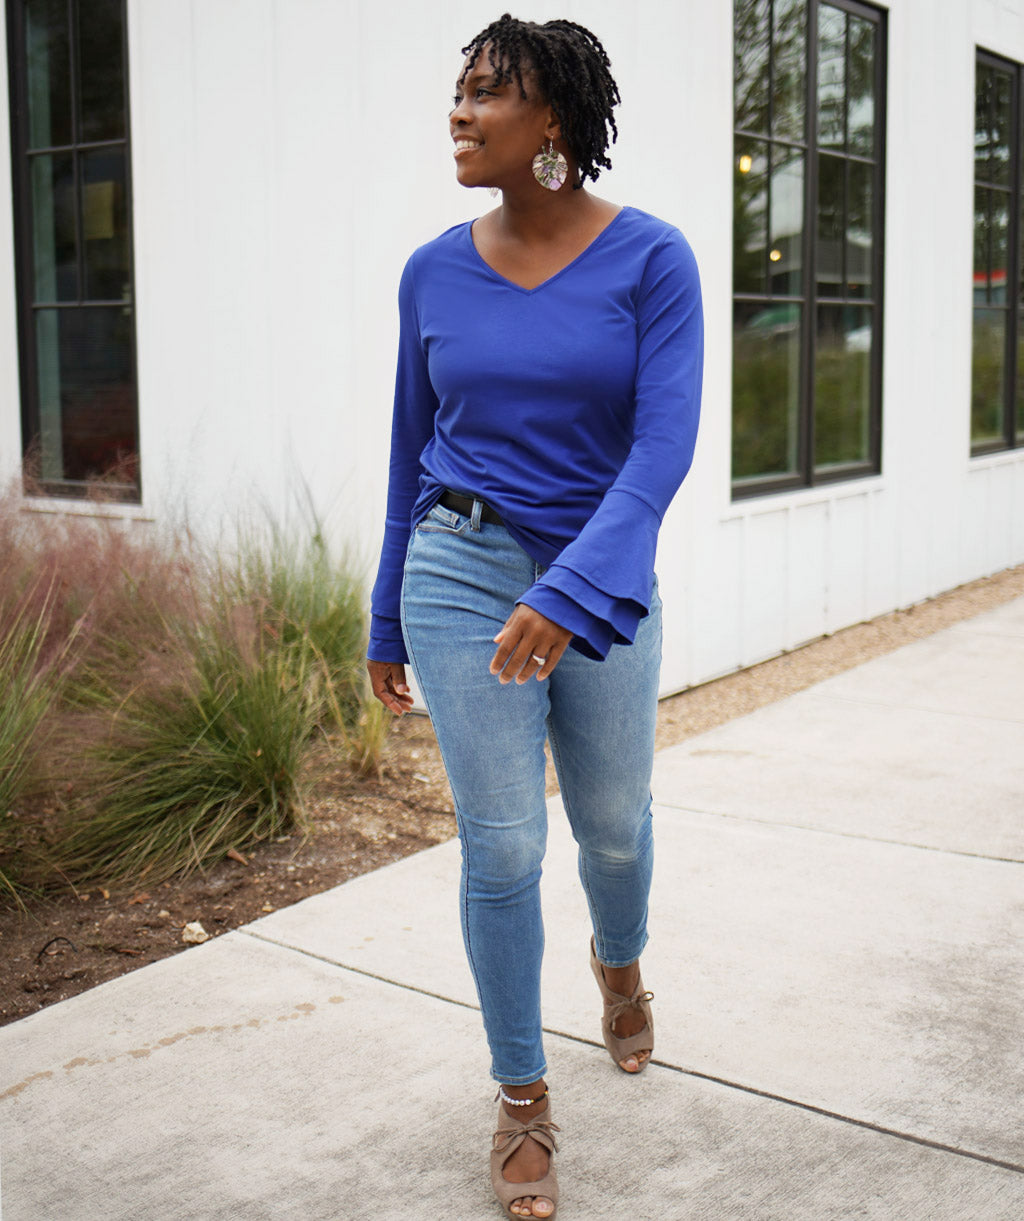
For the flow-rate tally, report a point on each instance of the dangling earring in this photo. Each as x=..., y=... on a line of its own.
x=550, y=168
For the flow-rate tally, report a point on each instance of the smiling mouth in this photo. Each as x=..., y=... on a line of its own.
x=466, y=146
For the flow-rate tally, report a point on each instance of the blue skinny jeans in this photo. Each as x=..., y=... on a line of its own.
x=462, y=580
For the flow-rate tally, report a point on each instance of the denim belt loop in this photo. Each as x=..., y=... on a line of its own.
x=474, y=521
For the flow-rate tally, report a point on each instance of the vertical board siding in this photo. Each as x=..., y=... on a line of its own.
x=808, y=586
x=847, y=561
x=765, y=597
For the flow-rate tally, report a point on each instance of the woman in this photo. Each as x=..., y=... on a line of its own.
x=545, y=413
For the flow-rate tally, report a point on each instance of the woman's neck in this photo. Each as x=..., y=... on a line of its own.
x=533, y=217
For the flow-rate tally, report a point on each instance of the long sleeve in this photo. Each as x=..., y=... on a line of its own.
x=411, y=429
x=600, y=585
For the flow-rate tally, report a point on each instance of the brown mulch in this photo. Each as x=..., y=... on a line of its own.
x=73, y=941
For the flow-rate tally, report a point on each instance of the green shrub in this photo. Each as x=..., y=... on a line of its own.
x=185, y=715
x=205, y=754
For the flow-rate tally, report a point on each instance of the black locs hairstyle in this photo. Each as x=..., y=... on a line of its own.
x=572, y=72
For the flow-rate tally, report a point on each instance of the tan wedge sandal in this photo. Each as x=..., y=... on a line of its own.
x=510, y=1135
x=614, y=1007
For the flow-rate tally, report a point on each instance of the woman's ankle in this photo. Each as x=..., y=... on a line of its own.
x=533, y=1099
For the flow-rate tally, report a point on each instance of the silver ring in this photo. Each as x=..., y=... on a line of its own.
x=539, y=660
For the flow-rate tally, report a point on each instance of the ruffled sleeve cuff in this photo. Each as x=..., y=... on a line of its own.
x=600, y=586
x=596, y=619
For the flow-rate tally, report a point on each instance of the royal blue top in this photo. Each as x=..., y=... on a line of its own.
x=571, y=408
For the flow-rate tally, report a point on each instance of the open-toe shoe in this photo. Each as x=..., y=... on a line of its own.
x=614, y=1007
x=510, y=1134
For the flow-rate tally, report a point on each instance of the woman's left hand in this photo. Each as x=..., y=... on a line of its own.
x=529, y=646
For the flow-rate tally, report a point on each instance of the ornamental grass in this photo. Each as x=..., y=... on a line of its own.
x=160, y=704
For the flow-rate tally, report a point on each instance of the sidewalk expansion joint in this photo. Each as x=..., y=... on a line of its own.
x=344, y=966
x=896, y=1133
x=865, y=1124
x=831, y=831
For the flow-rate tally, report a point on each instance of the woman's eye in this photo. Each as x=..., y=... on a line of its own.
x=483, y=93
x=455, y=101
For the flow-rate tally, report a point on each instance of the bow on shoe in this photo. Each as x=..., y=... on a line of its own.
x=633, y=1002
x=508, y=1140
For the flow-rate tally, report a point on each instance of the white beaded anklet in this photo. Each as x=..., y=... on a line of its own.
x=517, y=1102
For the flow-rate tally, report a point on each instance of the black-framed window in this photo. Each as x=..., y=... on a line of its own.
x=72, y=186
x=997, y=365
x=808, y=176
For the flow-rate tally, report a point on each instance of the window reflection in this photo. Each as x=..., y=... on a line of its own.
x=988, y=376
x=48, y=64
x=751, y=51
x=785, y=256
x=1001, y=122
x=105, y=225
x=805, y=349
x=750, y=216
x=831, y=225
x=766, y=389
x=55, y=251
x=74, y=247
x=789, y=59
x=842, y=385
x=101, y=72
x=86, y=391
x=859, y=226
x=831, y=77
x=861, y=87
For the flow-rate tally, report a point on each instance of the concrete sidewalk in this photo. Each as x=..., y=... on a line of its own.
x=838, y=958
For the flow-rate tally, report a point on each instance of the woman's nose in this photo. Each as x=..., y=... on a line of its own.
x=456, y=115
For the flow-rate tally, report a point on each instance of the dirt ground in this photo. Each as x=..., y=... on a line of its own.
x=68, y=943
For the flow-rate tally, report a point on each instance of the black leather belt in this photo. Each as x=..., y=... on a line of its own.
x=464, y=505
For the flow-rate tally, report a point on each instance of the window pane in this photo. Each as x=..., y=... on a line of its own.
x=1002, y=125
x=988, y=375
x=750, y=216
x=861, y=87
x=983, y=94
x=53, y=228
x=831, y=224
x=87, y=418
x=859, y=227
x=766, y=389
x=982, y=261
x=751, y=47
x=105, y=225
x=789, y=67
x=999, y=245
x=785, y=253
x=101, y=70
x=48, y=63
x=842, y=385
x=991, y=245
x=831, y=77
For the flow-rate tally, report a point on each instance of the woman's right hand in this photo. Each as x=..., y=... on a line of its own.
x=387, y=679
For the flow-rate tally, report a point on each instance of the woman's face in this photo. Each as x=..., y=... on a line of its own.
x=497, y=132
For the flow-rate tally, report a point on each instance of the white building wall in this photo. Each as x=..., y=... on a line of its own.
x=289, y=154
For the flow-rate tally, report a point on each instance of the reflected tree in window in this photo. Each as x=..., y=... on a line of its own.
x=806, y=227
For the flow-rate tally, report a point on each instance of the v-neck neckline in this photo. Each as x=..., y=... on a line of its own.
x=595, y=241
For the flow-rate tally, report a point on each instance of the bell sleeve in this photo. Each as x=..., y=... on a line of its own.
x=600, y=585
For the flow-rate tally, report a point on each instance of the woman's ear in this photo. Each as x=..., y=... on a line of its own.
x=553, y=131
